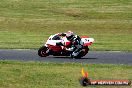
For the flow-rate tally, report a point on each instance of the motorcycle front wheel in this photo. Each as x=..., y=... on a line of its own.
x=82, y=53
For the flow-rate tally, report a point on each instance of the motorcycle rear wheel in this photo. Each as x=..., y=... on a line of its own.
x=42, y=51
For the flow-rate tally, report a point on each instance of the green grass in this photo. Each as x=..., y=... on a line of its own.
x=27, y=23
x=15, y=74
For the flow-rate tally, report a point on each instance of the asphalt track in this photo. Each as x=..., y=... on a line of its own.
x=107, y=57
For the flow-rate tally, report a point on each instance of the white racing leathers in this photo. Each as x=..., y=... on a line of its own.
x=77, y=45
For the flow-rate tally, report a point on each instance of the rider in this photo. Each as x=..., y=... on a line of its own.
x=76, y=43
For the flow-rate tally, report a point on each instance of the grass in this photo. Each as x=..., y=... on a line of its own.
x=27, y=23
x=14, y=74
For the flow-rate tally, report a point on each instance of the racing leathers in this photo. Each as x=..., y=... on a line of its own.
x=76, y=46
x=76, y=43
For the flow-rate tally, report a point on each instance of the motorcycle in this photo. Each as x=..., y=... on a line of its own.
x=60, y=46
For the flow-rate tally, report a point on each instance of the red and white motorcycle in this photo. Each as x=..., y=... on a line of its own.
x=54, y=46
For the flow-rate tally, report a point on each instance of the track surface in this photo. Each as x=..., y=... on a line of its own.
x=106, y=57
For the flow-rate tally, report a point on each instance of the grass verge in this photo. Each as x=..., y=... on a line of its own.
x=14, y=74
x=27, y=23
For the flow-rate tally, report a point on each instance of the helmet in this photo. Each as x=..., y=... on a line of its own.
x=69, y=35
x=70, y=32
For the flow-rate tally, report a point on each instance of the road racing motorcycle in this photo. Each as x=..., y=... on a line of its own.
x=60, y=46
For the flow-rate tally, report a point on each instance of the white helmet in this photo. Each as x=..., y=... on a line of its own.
x=69, y=35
